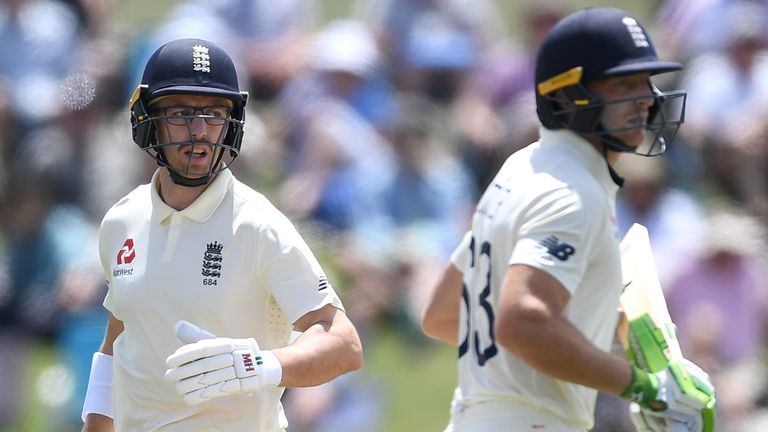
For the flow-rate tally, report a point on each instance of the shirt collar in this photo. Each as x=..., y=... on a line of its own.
x=585, y=152
x=202, y=208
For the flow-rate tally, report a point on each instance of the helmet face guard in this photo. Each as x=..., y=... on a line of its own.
x=189, y=67
x=597, y=43
x=576, y=109
x=223, y=148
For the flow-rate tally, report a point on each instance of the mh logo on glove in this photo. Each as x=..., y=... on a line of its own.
x=248, y=362
x=249, y=359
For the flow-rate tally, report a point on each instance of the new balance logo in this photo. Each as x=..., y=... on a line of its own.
x=558, y=250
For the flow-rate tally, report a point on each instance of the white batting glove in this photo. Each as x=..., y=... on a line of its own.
x=679, y=398
x=215, y=367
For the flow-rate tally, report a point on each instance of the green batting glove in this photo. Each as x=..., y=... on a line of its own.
x=644, y=389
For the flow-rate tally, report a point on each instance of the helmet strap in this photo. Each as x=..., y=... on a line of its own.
x=186, y=181
x=611, y=142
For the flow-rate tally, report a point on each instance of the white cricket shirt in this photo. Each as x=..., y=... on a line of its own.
x=230, y=263
x=552, y=207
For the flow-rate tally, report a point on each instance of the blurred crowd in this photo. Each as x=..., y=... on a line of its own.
x=375, y=133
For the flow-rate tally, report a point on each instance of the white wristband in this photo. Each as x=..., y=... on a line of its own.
x=98, y=397
x=272, y=370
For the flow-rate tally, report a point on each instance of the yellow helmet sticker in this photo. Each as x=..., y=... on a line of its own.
x=568, y=78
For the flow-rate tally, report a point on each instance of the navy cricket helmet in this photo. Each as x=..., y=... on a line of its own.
x=593, y=44
x=189, y=67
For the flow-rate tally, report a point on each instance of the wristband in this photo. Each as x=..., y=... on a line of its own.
x=272, y=370
x=98, y=397
x=643, y=389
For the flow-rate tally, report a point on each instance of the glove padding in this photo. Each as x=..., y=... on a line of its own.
x=649, y=421
x=678, y=398
x=211, y=367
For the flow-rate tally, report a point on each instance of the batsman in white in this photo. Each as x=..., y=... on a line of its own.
x=207, y=280
x=530, y=296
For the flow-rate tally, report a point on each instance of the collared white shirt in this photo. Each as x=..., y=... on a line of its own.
x=552, y=207
x=230, y=263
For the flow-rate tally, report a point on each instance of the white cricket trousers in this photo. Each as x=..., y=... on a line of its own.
x=496, y=416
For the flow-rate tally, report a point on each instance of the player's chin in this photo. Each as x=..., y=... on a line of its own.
x=194, y=175
x=633, y=138
x=201, y=170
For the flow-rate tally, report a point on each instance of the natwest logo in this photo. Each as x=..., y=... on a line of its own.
x=127, y=253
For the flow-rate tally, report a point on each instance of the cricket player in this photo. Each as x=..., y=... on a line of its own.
x=207, y=280
x=530, y=296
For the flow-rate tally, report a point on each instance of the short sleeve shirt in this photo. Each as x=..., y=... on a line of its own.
x=552, y=207
x=230, y=263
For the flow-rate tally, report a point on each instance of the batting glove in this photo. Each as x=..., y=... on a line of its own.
x=208, y=367
x=649, y=421
x=682, y=393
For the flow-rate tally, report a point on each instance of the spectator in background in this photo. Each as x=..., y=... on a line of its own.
x=508, y=66
x=431, y=45
x=434, y=49
x=728, y=94
x=41, y=40
x=496, y=112
x=278, y=37
x=719, y=305
x=693, y=28
x=335, y=162
x=438, y=53
x=53, y=286
x=672, y=215
x=335, y=158
x=421, y=211
x=430, y=192
x=57, y=61
x=43, y=47
x=27, y=294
